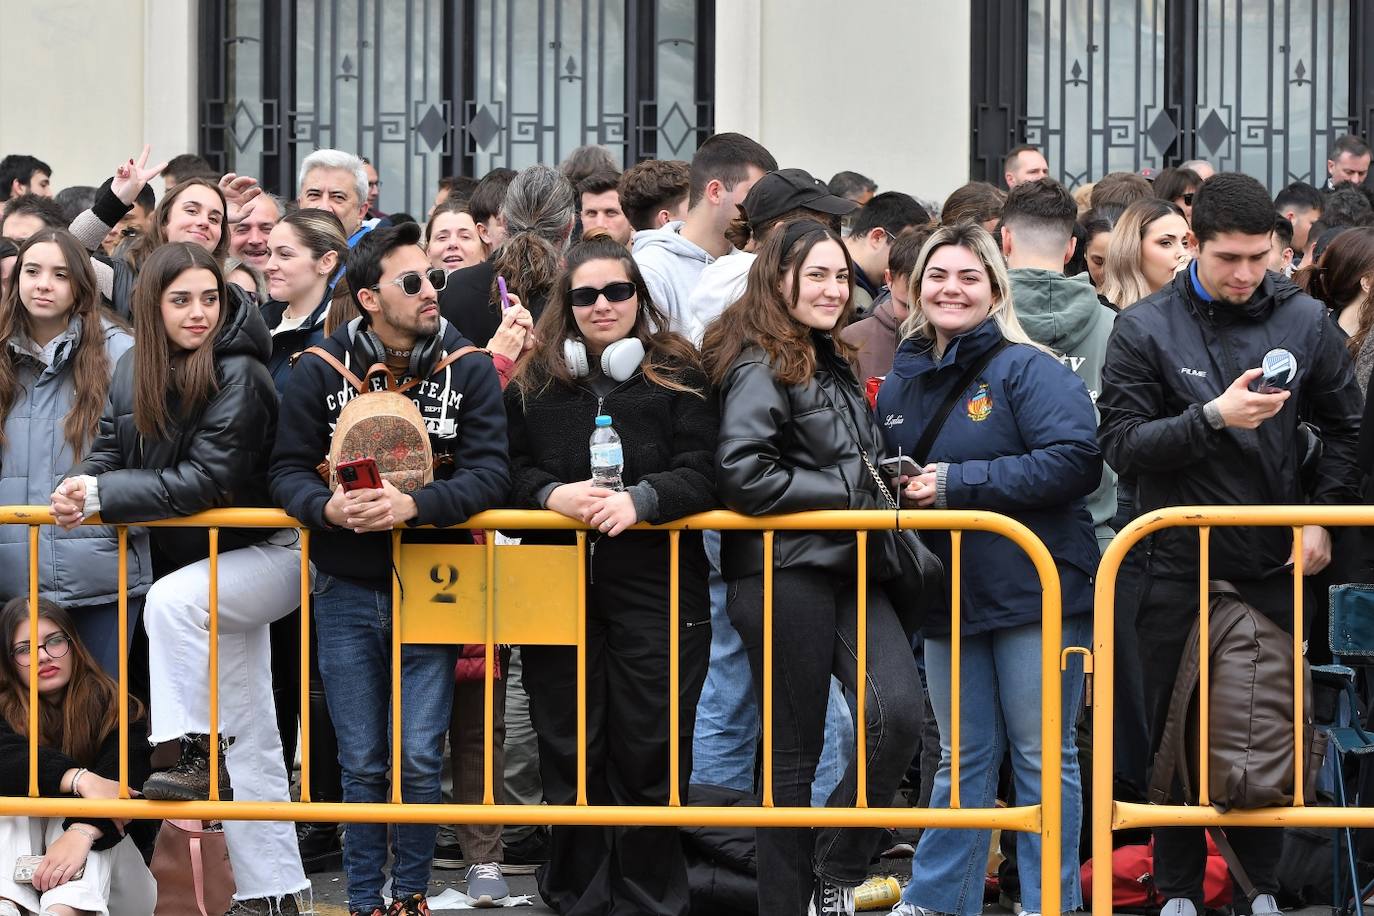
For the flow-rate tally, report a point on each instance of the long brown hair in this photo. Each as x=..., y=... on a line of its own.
x=156, y=236
x=90, y=364
x=1336, y=279
x=321, y=232
x=87, y=712
x=763, y=318
x=666, y=354
x=188, y=377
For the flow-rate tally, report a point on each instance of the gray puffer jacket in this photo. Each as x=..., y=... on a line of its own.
x=76, y=568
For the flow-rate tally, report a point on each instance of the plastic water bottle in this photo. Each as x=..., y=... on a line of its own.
x=608, y=459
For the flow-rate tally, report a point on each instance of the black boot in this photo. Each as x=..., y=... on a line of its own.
x=189, y=780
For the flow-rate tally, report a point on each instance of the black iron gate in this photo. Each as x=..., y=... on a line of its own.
x=428, y=88
x=1105, y=85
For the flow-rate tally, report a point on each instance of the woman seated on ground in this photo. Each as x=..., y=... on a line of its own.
x=89, y=865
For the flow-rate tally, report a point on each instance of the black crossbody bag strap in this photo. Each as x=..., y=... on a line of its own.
x=927, y=440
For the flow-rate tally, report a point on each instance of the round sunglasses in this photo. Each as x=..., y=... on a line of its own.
x=411, y=281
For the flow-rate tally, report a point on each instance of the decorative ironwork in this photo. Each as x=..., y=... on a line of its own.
x=426, y=88
x=1104, y=85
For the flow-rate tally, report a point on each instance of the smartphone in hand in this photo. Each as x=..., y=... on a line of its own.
x=359, y=474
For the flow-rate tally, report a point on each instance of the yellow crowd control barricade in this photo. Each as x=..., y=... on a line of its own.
x=494, y=594
x=1108, y=814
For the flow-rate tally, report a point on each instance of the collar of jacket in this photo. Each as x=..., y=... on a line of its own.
x=883, y=312
x=1272, y=292
x=916, y=356
x=274, y=309
x=828, y=358
x=57, y=350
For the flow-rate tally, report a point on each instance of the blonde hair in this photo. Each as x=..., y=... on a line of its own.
x=1123, y=280
x=976, y=239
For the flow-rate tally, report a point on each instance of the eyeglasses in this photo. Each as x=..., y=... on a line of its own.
x=411, y=281
x=55, y=645
x=584, y=296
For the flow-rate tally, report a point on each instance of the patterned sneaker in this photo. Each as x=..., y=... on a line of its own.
x=189, y=780
x=486, y=886
x=414, y=905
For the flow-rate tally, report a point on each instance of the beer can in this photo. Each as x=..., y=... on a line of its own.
x=877, y=893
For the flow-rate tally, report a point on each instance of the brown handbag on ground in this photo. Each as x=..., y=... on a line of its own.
x=191, y=867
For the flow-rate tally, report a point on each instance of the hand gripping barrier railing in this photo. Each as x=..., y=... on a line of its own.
x=504, y=594
x=1108, y=814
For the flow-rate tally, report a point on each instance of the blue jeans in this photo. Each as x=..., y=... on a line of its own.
x=727, y=729
x=353, y=628
x=98, y=627
x=1000, y=693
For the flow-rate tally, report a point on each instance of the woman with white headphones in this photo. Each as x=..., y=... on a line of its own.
x=604, y=348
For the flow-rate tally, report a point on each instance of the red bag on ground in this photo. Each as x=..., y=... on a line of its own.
x=1133, y=883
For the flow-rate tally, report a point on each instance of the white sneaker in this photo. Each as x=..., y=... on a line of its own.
x=1181, y=906
x=8, y=908
x=911, y=909
x=1264, y=905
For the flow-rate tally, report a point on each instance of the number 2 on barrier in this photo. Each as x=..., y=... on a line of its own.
x=446, y=577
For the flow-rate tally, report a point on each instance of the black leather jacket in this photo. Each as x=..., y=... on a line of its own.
x=792, y=448
x=214, y=459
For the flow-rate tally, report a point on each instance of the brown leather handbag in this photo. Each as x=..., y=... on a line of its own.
x=191, y=867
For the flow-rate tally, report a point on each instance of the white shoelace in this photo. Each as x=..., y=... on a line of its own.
x=485, y=870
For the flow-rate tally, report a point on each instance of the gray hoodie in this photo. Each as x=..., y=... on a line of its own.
x=671, y=266
x=1064, y=314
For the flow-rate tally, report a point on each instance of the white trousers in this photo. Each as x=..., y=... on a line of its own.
x=257, y=585
x=115, y=883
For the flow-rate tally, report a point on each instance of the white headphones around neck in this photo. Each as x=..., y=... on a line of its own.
x=619, y=361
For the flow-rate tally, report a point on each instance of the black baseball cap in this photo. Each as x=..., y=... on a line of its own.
x=789, y=189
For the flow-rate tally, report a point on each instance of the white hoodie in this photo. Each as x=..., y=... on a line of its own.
x=720, y=286
x=671, y=266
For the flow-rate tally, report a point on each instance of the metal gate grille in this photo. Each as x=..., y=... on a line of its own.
x=427, y=88
x=1260, y=87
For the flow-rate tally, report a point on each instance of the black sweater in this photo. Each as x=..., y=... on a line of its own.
x=461, y=405
x=52, y=763
x=668, y=437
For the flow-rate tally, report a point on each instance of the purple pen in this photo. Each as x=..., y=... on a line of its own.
x=505, y=296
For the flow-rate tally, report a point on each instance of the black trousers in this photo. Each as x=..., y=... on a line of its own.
x=620, y=871
x=815, y=634
x=1166, y=613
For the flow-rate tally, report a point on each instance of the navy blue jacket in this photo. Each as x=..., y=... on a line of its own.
x=1022, y=441
x=462, y=409
x=289, y=344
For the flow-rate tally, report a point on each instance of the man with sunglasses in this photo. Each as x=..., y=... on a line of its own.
x=396, y=291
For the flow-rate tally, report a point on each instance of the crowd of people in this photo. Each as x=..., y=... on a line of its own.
x=762, y=341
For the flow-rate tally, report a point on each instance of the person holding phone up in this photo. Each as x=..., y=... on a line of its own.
x=187, y=427
x=992, y=421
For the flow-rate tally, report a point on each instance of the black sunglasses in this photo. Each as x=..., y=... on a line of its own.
x=411, y=282
x=584, y=296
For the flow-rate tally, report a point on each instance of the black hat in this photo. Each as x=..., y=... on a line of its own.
x=789, y=189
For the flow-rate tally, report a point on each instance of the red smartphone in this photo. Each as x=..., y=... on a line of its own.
x=359, y=474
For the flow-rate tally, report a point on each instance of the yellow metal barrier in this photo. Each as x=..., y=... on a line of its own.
x=492, y=595
x=1108, y=814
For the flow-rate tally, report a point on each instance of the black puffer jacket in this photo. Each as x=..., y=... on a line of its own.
x=791, y=448
x=668, y=438
x=214, y=459
x=1173, y=352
